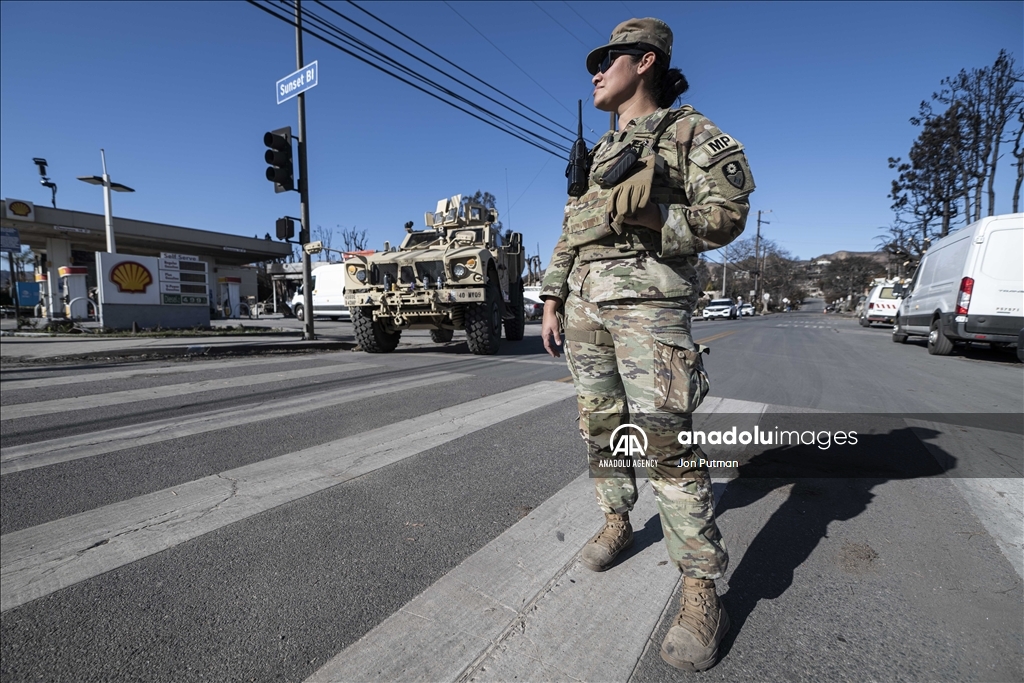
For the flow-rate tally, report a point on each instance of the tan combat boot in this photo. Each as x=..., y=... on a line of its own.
x=615, y=536
x=692, y=642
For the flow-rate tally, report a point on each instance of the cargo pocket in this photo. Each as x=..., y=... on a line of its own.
x=680, y=381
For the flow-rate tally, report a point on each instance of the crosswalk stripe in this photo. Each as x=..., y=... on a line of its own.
x=64, y=380
x=62, y=405
x=511, y=611
x=53, y=451
x=37, y=561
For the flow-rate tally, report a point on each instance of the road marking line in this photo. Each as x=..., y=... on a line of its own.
x=37, y=561
x=179, y=368
x=53, y=451
x=716, y=337
x=62, y=405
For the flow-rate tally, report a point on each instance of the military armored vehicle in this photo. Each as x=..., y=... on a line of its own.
x=458, y=274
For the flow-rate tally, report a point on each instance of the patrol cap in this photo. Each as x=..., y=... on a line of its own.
x=653, y=32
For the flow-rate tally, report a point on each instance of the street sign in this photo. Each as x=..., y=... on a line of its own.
x=10, y=240
x=297, y=82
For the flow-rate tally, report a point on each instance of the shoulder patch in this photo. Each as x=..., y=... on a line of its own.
x=715, y=148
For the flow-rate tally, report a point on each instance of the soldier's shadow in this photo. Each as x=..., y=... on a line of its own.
x=820, y=491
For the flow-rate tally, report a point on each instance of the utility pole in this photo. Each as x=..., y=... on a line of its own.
x=307, y=268
x=725, y=267
x=757, y=261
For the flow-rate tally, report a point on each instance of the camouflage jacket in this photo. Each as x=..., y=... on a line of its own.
x=710, y=169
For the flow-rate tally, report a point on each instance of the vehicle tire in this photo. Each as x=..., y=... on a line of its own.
x=898, y=337
x=441, y=336
x=298, y=312
x=335, y=317
x=938, y=343
x=515, y=327
x=370, y=333
x=483, y=323
x=864, y=322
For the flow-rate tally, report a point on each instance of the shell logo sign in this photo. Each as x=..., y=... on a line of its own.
x=20, y=209
x=131, y=277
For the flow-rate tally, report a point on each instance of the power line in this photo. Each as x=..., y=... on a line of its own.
x=599, y=34
x=288, y=20
x=451, y=63
x=426, y=63
x=417, y=76
x=559, y=23
x=507, y=57
x=543, y=166
x=353, y=42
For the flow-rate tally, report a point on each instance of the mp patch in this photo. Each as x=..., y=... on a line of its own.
x=719, y=145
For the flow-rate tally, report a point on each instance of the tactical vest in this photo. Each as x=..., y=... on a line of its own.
x=587, y=226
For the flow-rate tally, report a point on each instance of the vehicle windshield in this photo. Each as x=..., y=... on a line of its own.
x=886, y=293
x=721, y=302
x=418, y=239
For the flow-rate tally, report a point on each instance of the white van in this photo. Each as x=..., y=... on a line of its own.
x=328, y=293
x=880, y=305
x=969, y=287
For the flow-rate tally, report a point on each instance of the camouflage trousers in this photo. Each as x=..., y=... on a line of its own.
x=634, y=362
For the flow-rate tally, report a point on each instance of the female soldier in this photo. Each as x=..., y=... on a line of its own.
x=664, y=187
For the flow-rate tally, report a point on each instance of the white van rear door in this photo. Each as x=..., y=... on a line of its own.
x=999, y=273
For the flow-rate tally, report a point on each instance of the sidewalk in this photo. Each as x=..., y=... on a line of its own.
x=27, y=345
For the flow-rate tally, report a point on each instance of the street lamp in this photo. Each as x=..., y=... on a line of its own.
x=104, y=180
x=44, y=181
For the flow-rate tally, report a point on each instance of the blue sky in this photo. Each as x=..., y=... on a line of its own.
x=180, y=94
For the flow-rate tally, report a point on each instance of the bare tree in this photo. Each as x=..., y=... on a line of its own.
x=980, y=103
x=353, y=239
x=325, y=237
x=1003, y=104
x=1018, y=152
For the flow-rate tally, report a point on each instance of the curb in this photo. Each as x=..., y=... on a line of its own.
x=204, y=350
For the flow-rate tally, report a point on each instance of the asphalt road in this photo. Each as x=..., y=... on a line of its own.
x=418, y=516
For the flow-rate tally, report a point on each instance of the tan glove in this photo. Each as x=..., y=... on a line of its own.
x=631, y=195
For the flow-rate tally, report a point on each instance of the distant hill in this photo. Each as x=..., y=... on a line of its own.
x=879, y=256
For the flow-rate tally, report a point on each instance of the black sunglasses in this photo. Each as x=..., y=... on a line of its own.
x=612, y=55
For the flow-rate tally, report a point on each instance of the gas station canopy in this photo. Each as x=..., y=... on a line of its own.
x=86, y=232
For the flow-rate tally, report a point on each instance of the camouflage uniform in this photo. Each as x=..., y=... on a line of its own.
x=628, y=300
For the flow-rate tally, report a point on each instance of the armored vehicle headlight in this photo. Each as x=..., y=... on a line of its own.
x=361, y=275
x=460, y=270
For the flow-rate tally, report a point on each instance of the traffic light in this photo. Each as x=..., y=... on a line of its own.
x=279, y=156
x=285, y=228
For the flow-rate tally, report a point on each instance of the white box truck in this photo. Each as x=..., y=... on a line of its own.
x=969, y=287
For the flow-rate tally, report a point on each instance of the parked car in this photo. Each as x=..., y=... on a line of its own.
x=328, y=293
x=969, y=287
x=720, y=308
x=880, y=306
x=747, y=309
x=533, y=307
